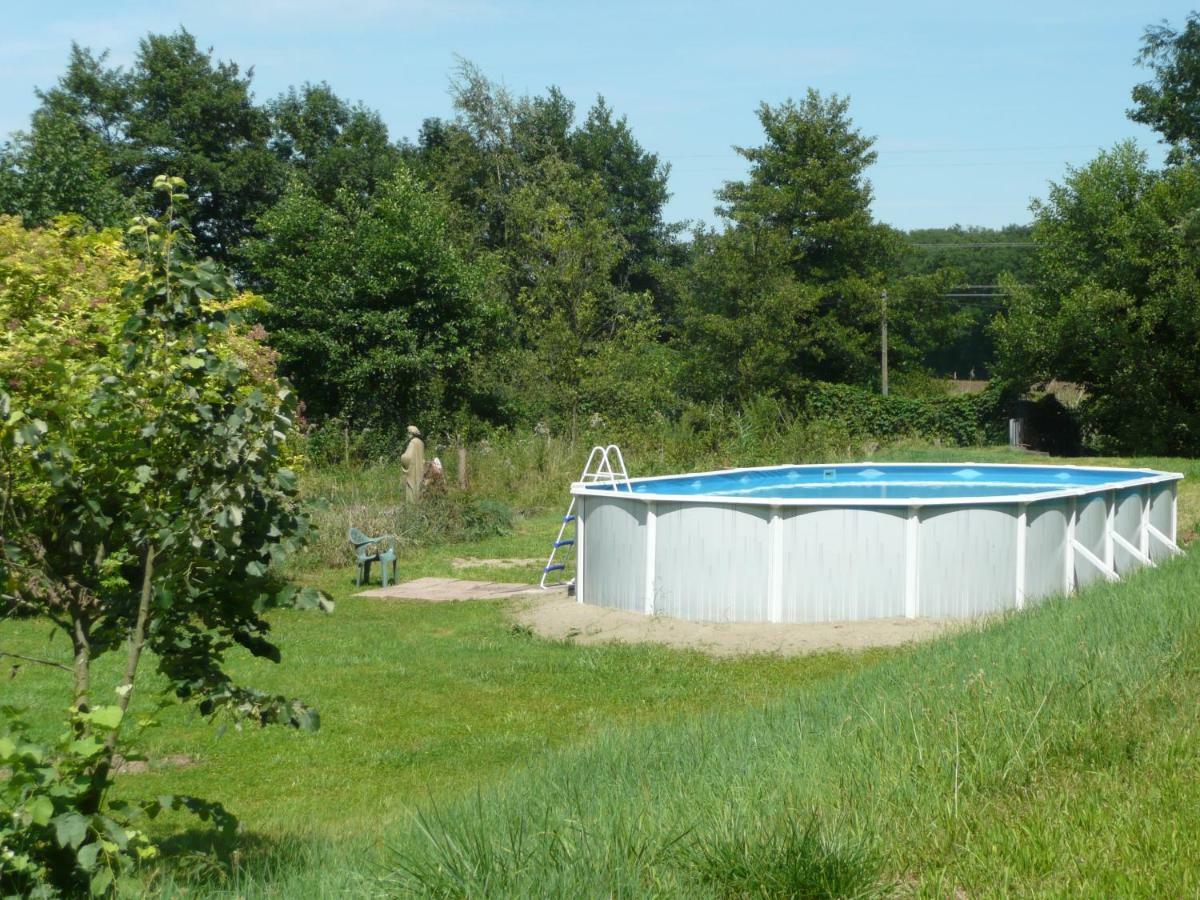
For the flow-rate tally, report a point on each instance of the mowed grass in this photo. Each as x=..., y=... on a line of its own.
x=1051, y=752
x=419, y=702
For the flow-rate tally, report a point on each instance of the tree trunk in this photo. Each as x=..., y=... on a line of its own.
x=90, y=802
x=82, y=669
x=137, y=640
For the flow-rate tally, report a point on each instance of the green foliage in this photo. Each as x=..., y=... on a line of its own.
x=570, y=219
x=634, y=183
x=963, y=420
x=329, y=144
x=1114, y=307
x=52, y=842
x=174, y=109
x=45, y=343
x=973, y=256
x=375, y=311
x=978, y=255
x=146, y=493
x=808, y=193
x=791, y=290
x=59, y=167
x=1168, y=103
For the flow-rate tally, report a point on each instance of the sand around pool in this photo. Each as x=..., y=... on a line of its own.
x=556, y=616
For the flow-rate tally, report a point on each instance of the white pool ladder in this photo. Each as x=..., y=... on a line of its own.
x=604, y=465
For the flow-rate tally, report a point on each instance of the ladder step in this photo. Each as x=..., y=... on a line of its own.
x=569, y=542
x=554, y=567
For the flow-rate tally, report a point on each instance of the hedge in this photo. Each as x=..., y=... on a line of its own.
x=962, y=420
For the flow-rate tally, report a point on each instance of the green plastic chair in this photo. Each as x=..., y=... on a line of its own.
x=372, y=549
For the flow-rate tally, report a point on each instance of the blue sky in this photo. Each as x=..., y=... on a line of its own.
x=975, y=106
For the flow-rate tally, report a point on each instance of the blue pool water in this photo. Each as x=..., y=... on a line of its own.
x=886, y=482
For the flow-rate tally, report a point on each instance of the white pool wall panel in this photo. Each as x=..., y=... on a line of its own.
x=860, y=553
x=722, y=560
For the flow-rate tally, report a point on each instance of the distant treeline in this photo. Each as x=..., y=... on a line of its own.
x=512, y=264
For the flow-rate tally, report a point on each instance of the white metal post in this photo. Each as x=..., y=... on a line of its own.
x=1022, y=519
x=912, y=561
x=775, y=567
x=1110, y=525
x=1144, y=529
x=1069, y=568
x=579, y=525
x=651, y=544
x=1175, y=513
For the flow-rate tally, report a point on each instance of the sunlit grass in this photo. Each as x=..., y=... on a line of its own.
x=1053, y=752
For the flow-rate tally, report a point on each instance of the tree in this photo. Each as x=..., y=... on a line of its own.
x=635, y=188
x=175, y=109
x=790, y=291
x=330, y=144
x=145, y=498
x=568, y=222
x=970, y=261
x=1113, y=306
x=58, y=167
x=373, y=308
x=1170, y=102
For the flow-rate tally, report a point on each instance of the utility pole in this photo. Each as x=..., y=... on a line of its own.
x=883, y=342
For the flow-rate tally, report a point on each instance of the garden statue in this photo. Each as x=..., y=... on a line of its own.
x=413, y=463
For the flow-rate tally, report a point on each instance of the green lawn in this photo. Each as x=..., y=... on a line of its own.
x=418, y=701
x=1053, y=751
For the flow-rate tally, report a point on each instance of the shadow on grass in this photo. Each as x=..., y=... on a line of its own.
x=215, y=861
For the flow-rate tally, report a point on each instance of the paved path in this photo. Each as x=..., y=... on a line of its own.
x=444, y=590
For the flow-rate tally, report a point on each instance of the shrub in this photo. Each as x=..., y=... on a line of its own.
x=964, y=419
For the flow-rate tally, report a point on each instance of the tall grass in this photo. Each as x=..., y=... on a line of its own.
x=1051, y=752
x=529, y=472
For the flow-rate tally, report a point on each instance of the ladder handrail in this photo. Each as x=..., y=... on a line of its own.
x=605, y=464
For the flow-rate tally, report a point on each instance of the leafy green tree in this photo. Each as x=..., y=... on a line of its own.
x=145, y=502
x=1113, y=306
x=635, y=189
x=808, y=191
x=58, y=167
x=1170, y=102
x=980, y=255
x=175, y=109
x=373, y=308
x=568, y=221
x=330, y=144
x=969, y=263
x=791, y=290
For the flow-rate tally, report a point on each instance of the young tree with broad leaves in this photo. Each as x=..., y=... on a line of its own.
x=144, y=502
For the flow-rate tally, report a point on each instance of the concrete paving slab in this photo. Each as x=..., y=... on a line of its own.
x=449, y=590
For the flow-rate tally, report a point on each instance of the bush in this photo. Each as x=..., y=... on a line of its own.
x=371, y=498
x=963, y=420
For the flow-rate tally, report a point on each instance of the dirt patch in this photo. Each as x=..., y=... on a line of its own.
x=123, y=766
x=450, y=590
x=563, y=619
x=471, y=562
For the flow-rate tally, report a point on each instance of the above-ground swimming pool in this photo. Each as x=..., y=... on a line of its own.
x=866, y=541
